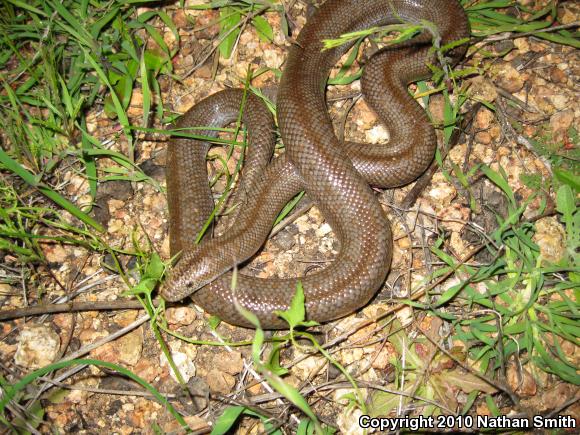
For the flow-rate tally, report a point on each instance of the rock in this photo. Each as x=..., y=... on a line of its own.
x=125, y=350
x=560, y=122
x=146, y=369
x=548, y=100
x=196, y=424
x=363, y=115
x=324, y=229
x=557, y=75
x=6, y=289
x=551, y=238
x=284, y=240
x=220, y=382
x=229, y=362
x=56, y=254
x=568, y=12
x=482, y=88
x=272, y=58
x=116, y=225
x=206, y=23
x=483, y=137
x=457, y=243
x=136, y=104
x=125, y=318
x=509, y=78
x=307, y=366
x=377, y=135
x=181, y=316
x=557, y=396
x=156, y=203
x=404, y=243
x=560, y=101
x=38, y=346
x=130, y=347
x=352, y=356
x=199, y=391
x=183, y=363
x=382, y=359
x=437, y=107
x=442, y=193
x=180, y=19
x=348, y=421
x=521, y=381
x=484, y=119
x=7, y=349
x=522, y=45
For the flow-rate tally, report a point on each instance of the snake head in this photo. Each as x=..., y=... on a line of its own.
x=193, y=271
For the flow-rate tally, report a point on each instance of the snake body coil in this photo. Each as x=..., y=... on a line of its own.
x=335, y=175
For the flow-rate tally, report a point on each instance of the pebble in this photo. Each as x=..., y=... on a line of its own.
x=509, y=78
x=220, y=382
x=195, y=423
x=229, y=362
x=382, y=360
x=182, y=316
x=442, y=194
x=437, y=107
x=482, y=89
x=125, y=350
x=183, y=362
x=557, y=75
x=377, y=135
x=560, y=122
x=484, y=119
x=551, y=238
x=323, y=230
x=55, y=253
x=285, y=240
x=307, y=366
x=38, y=346
x=521, y=381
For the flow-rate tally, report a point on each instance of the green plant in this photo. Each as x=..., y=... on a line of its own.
x=520, y=306
x=235, y=15
x=11, y=392
x=57, y=59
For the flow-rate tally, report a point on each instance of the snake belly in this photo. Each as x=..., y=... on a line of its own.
x=336, y=175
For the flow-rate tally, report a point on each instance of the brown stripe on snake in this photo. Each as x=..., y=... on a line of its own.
x=335, y=175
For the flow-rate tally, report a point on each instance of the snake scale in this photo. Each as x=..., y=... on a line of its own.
x=337, y=176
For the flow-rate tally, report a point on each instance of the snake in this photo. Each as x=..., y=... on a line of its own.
x=338, y=176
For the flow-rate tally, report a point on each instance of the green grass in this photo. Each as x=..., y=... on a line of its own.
x=57, y=61
x=17, y=389
x=60, y=61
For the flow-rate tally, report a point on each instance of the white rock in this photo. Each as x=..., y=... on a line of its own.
x=183, y=363
x=38, y=346
x=377, y=134
x=323, y=230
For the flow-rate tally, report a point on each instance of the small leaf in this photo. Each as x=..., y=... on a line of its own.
x=568, y=178
x=565, y=201
x=500, y=181
x=214, y=322
x=263, y=27
x=226, y=421
x=381, y=403
x=466, y=382
x=145, y=90
x=296, y=314
x=229, y=25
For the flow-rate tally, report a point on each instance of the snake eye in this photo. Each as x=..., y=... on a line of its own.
x=192, y=272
